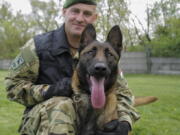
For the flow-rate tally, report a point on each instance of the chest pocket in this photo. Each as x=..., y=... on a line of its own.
x=54, y=65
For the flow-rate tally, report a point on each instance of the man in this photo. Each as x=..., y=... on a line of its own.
x=40, y=78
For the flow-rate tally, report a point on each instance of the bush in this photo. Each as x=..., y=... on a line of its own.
x=137, y=48
x=166, y=42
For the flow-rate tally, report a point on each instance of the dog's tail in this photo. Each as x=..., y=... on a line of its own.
x=139, y=101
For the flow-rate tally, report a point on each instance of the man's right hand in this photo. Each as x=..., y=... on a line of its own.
x=61, y=88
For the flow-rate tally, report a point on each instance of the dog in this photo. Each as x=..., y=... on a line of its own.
x=94, y=80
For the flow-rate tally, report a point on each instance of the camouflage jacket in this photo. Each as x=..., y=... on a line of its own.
x=24, y=71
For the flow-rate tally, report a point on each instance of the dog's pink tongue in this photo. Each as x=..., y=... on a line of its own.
x=97, y=93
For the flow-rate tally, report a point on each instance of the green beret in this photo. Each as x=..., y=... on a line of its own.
x=69, y=3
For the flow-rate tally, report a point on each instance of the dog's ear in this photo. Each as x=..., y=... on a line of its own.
x=115, y=39
x=88, y=35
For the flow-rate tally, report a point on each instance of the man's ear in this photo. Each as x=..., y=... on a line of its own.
x=88, y=35
x=63, y=11
x=115, y=39
x=94, y=18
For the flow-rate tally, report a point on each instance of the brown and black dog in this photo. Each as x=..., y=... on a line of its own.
x=94, y=79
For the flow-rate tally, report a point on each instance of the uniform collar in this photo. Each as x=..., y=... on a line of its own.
x=60, y=41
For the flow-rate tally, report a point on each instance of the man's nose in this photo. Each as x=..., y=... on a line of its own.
x=80, y=17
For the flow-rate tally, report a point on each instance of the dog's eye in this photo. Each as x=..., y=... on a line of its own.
x=108, y=53
x=93, y=50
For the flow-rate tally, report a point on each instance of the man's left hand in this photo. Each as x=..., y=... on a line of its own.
x=115, y=127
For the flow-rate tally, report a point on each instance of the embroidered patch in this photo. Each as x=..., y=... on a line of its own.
x=17, y=62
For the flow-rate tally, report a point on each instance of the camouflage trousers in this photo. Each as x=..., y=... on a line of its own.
x=55, y=116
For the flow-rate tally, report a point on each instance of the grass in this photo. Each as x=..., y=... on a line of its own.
x=162, y=117
x=10, y=112
x=159, y=118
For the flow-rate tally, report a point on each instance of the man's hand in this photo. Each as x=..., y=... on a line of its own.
x=115, y=127
x=61, y=88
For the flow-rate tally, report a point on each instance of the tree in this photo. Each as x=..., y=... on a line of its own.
x=14, y=31
x=112, y=12
x=161, y=33
x=166, y=40
x=162, y=10
x=45, y=15
x=17, y=28
x=165, y=21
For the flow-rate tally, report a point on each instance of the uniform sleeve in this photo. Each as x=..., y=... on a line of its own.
x=126, y=111
x=23, y=73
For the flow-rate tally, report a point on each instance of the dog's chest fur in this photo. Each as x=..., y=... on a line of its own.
x=88, y=118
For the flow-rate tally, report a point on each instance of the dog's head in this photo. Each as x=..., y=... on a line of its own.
x=98, y=63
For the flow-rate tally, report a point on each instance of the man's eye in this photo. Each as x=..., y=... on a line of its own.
x=75, y=11
x=87, y=13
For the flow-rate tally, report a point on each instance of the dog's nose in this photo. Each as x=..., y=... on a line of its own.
x=100, y=67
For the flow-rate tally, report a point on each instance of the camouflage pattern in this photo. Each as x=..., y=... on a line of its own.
x=126, y=111
x=55, y=116
x=22, y=75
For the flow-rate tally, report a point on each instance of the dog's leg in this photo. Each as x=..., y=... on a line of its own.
x=90, y=125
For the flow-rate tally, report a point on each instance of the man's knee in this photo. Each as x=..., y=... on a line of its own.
x=58, y=101
x=60, y=108
x=61, y=115
x=56, y=115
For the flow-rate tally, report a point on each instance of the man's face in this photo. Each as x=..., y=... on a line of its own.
x=77, y=17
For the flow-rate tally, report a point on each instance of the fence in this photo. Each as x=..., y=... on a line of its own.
x=133, y=62
x=165, y=65
x=4, y=64
x=137, y=62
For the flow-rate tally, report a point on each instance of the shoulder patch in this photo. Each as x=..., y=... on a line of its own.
x=18, y=61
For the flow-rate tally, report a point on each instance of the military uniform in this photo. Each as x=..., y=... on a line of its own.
x=42, y=62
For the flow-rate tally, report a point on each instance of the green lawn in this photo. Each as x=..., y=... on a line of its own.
x=159, y=118
x=163, y=116
x=10, y=112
